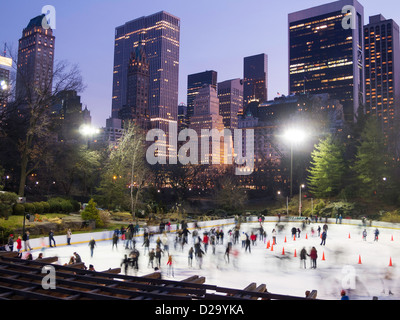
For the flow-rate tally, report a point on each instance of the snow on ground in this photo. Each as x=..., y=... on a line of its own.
x=337, y=264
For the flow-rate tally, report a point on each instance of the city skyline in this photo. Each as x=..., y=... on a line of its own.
x=265, y=31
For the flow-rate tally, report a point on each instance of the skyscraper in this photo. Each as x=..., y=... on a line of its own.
x=206, y=117
x=137, y=99
x=159, y=35
x=230, y=94
x=326, y=57
x=195, y=82
x=382, y=71
x=35, y=60
x=255, y=78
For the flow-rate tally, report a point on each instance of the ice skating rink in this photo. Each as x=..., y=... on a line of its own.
x=366, y=268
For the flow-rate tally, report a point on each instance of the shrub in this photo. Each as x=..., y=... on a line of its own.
x=19, y=209
x=105, y=217
x=7, y=200
x=60, y=205
x=46, y=207
x=76, y=206
x=54, y=205
x=29, y=207
x=38, y=207
x=66, y=206
x=92, y=213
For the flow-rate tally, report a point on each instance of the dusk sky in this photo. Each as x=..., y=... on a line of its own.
x=215, y=35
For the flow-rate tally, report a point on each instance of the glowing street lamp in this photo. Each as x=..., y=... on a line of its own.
x=293, y=135
x=88, y=131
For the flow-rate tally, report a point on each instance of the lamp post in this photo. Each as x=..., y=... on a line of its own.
x=293, y=136
x=301, y=187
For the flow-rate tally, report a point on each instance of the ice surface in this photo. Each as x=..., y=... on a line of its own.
x=281, y=273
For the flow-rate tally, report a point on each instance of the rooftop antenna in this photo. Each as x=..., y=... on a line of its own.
x=5, y=50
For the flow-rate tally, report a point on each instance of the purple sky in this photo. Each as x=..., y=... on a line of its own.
x=215, y=35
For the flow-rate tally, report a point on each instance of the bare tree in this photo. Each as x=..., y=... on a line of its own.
x=31, y=109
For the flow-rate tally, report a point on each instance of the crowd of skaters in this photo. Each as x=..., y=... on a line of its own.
x=197, y=242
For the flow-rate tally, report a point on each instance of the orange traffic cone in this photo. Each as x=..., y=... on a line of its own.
x=323, y=256
x=390, y=262
x=268, y=244
x=306, y=236
x=295, y=254
x=349, y=235
x=294, y=237
x=272, y=248
x=283, y=251
x=285, y=239
x=359, y=259
x=273, y=242
x=392, y=238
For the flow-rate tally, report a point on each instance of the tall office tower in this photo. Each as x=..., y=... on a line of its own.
x=230, y=94
x=35, y=60
x=137, y=93
x=195, y=82
x=326, y=54
x=5, y=66
x=382, y=71
x=206, y=116
x=255, y=78
x=159, y=35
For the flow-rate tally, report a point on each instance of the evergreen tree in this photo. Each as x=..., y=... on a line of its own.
x=328, y=169
x=372, y=164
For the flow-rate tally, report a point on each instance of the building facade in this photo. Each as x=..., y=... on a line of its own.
x=35, y=61
x=230, y=95
x=159, y=35
x=195, y=82
x=255, y=78
x=326, y=57
x=382, y=71
x=136, y=108
x=206, y=117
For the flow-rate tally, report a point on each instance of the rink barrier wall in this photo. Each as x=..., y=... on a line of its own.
x=79, y=238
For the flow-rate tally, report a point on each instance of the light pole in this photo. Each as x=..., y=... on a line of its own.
x=301, y=187
x=293, y=136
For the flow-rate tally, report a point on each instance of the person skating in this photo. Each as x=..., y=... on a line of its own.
x=170, y=263
x=323, y=238
x=376, y=233
x=364, y=234
x=69, y=235
x=11, y=242
x=115, y=240
x=125, y=262
x=247, y=245
x=152, y=255
x=303, y=257
x=313, y=256
x=159, y=251
x=134, y=258
x=190, y=257
x=51, y=238
x=92, y=244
